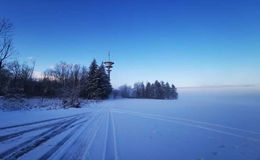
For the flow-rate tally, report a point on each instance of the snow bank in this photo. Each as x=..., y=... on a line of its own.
x=13, y=104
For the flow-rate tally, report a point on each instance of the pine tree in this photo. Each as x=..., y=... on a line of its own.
x=157, y=89
x=104, y=87
x=142, y=90
x=162, y=90
x=92, y=81
x=153, y=91
x=167, y=90
x=148, y=90
x=174, y=94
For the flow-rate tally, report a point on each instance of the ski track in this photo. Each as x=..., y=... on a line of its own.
x=230, y=131
x=110, y=146
x=114, y=136
x=106, y=137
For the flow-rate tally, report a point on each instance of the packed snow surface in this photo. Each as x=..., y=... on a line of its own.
x=206, y=127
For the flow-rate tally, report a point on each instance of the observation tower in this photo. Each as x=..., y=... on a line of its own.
x=108, y=64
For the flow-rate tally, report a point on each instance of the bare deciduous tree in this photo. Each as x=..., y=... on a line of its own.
x=21, y=76
x=6, y=44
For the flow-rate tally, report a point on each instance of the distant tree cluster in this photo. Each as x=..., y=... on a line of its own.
x=156, y=90
x=65, y=81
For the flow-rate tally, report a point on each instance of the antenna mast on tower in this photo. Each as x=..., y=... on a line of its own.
x=109, y=65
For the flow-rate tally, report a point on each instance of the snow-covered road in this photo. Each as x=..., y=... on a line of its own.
x=130, y=129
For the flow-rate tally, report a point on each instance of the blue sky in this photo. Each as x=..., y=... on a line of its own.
x=185, y=42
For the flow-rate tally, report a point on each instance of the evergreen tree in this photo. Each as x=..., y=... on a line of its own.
x=157, y=90
x=148, y=90
x=153, y=91
x=104, y=87
x=92, y=81
x=162, y=90
x=174, y=94
x=167, y=90
x=142, y=90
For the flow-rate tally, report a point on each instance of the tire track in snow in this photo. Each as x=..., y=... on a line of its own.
x=36, y=141
x=80, y=147
x=29, y=145
x=16, y=134
x=53, y=150
x=37, y=122
x=86, y=154
x=197, y=124
x=48, y=154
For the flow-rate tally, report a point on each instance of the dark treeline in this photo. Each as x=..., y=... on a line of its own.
x=156, y=90
x=65, y=81
x=74, y=80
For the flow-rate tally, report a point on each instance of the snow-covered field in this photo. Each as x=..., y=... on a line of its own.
x=195, y=127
